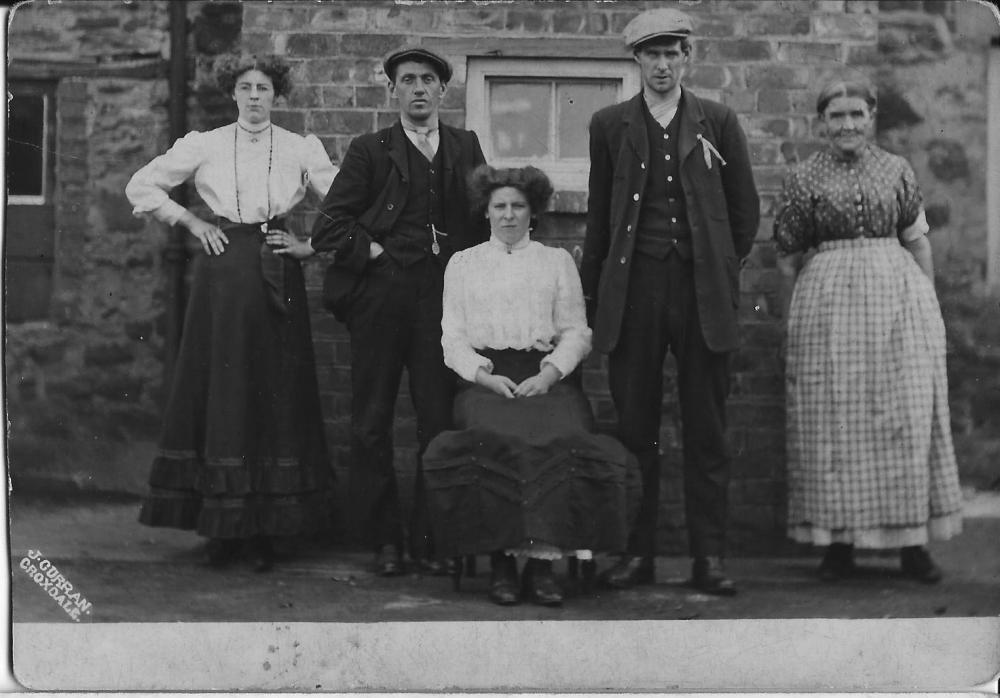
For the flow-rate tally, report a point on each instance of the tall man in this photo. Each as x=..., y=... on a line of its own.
x=672, y=211
x=394, y=215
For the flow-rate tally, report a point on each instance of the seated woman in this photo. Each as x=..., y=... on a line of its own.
x=524, y=474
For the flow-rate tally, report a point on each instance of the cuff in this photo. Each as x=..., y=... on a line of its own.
x=470, y=367
x=915, y=230
x=558, y=363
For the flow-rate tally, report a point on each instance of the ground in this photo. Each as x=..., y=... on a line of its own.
x=130, y=573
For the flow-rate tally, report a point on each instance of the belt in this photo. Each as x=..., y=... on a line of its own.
x=272, y=266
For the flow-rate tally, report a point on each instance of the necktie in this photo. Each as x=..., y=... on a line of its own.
x=423, y=141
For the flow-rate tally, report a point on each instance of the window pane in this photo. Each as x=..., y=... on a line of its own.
x=25, y=138
x=520, y=113
x=577, y=101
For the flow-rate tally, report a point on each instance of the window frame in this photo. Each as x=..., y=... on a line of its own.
x=47, y=92
x=567, y=174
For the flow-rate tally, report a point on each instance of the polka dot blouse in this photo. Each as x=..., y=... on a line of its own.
x=828, y=197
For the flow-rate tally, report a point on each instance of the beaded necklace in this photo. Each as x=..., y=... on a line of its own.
x=236, y=172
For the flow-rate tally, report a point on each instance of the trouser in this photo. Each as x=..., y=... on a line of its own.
x=395, y=323
x=661, y=313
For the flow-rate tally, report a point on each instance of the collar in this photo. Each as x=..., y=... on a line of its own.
x=499, y=244
x=860, y=157
x=426, y=129
x=665, y=103
x=252, y=128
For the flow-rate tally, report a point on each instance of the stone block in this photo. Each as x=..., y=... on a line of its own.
x=293, y=120
x=338, y=17
x=340, y=121
x=565, y=22
x=274, y=16
x=715, y=50
x=742, y=101
x=306, y=97
x=714, y=26
x=338, y=96
x=469, y=19
x=708, y=77
x=773, y=101
x=374, y=45
x=781, y=77
x=947, y=159
x=412, y=20
x=312, y=45
x=371, y=96
x=807, y=52
x=780, y=25
x=911, y=37
x=535, y=21
x=840, y=26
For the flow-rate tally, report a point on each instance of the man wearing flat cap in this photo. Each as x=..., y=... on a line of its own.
x=672, y=212
x=394, y=215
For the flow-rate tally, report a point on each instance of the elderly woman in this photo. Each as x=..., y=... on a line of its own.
x=242, y=456
x=523, y=474
x=870, y=456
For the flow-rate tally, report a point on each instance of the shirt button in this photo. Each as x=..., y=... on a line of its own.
x=642, y=165
x=622, y=260
x=432, y=170
x=673, y=241
x=666, y=136
x=390, y=207
x=667, y=157
x=635, y=197
x=628, y=228
x=669, y=178
x=673, y=220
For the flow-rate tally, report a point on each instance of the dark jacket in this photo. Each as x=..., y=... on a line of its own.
x=368, y=195
x=723, y=211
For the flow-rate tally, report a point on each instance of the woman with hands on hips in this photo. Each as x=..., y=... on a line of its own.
x=242, y=455
x=523, y=474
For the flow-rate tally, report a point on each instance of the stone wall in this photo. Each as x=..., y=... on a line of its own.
x=932, y=77
x=96, y=366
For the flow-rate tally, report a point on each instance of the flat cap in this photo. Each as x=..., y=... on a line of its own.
x=416, y=53
x=655, y=23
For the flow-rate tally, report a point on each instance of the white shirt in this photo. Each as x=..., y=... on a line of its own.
x=529, y=298
x=297, y=163
x=432, y=130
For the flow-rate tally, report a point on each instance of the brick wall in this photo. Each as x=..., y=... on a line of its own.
x=764, y=58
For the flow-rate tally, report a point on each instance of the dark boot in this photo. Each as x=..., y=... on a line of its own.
x=629, y=571
x=838, y=563
x=262, y=553
x=503, y=581
x=708, y=574
x=538, y=584
x=917, y=564
x=222, y=551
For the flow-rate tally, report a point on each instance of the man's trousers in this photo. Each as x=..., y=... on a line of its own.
x=395, y=323
x=661, y=313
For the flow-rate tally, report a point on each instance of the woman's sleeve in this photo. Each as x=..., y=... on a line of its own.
x=912, y=219
x=793, y=226
x=149, y=189
x=569, y=317
x=318, y=170
x=459, y=354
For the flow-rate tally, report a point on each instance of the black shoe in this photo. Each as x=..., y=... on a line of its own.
x=503, y=579
x=222, y=551
x=917, y=564
x=388, y=562
x=708, y=574
x=262, y=554
x=838, y=563
x=435, y=568
x=629, y=571
x=538, y=584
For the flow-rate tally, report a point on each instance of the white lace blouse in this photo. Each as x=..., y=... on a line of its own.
x=215, y=159
x=526, y=298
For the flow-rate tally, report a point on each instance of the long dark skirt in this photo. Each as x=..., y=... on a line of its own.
x=243, y=451
x=527, y=470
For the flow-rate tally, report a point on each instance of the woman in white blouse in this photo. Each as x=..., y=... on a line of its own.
x=242, y=455
x=523, y=474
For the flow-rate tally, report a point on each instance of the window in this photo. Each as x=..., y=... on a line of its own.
x=993, y=168
x=536, y=112
x=30, y=229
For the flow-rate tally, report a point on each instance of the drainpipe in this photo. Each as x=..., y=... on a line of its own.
x=175, y=255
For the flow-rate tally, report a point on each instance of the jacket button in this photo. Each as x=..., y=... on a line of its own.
x=642, y=165
x=390, y=207
x=622, y=260
x=628, y=228
x=635, y=197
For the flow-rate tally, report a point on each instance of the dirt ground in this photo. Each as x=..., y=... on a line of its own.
x=130, y=573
